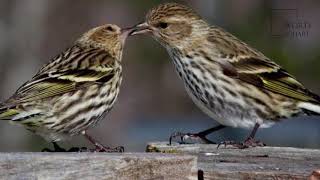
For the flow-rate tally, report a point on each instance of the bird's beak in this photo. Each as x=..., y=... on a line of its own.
x=125, y=33
x=141, y=28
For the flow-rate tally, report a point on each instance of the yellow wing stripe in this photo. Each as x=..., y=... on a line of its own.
x=8, y=113
x=52, y=90
x=285, y=90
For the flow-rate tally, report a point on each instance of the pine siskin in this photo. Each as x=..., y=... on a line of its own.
x=74, y=90
x=233, y=83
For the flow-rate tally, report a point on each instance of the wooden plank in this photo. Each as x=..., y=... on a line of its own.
x=251, y=163
x=97, y=166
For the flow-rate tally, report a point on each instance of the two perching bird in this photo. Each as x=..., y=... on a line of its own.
x=233, y=83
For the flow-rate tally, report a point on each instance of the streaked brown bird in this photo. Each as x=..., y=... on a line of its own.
x=230, y=81
x=74, y=90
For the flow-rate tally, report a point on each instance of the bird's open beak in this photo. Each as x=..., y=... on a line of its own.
x=125, y=33
x=141, y=28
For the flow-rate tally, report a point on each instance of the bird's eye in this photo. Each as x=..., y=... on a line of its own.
x=109, y=28
x=163, y=25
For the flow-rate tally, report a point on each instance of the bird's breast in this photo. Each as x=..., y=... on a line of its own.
x=216, y=94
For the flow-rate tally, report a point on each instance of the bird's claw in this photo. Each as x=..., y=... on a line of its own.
x=57, y=148
x=101, y=148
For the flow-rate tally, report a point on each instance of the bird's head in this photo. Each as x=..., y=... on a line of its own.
x=109, y=37
x=173, y=25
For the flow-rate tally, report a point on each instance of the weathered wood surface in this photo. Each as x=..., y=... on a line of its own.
x=252, y=163
x=97, y=166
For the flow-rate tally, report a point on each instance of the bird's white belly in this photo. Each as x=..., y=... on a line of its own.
x=226, y=118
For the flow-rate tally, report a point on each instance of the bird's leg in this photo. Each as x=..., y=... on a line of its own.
x=249, y=142
x=57, y=148
x=200, y=135
x=101, y=148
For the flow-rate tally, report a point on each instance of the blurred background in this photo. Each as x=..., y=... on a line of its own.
x=152, y=102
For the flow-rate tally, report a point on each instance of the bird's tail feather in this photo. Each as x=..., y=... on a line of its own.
x=310, y=107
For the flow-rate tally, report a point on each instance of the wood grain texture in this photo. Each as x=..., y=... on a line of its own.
x=252, y=163
x=97, y=166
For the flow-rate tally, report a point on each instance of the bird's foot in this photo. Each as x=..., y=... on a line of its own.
x=102, y=148
x=250, y=142
x=57, y=148
x=184, y=137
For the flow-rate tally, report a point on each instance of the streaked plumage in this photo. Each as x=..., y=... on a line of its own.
x=74, y=90
x=233, y=83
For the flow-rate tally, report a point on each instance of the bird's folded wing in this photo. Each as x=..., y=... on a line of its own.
x=269, y=76
x=53, y=84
